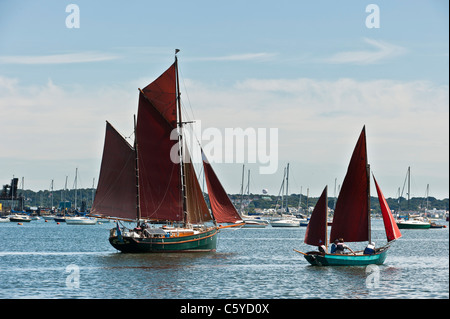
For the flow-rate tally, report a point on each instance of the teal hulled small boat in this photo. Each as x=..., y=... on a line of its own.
x=315, y=258
x=351, y=220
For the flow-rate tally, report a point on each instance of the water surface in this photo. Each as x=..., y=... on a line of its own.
x=36, y=261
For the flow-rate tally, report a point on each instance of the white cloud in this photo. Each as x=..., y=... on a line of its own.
x=381, y=51
x=54, y=122
x=81, y=57
x=319, y=121
x=407, y=124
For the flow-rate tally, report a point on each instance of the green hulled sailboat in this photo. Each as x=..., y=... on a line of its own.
x=153, y=181
x=351, y=220
x=413, y=220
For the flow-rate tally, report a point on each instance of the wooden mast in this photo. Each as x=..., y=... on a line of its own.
x=287, y=188
x=242, y=191
x=326, y=218
x=369, y=232
x=409, y=185
x=138, y=206
x=368, y=204
x=180, y=140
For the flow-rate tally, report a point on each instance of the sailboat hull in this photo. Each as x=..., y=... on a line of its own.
x=346, y=260
x=410, y=225
x=204, y=241
x=19, y=218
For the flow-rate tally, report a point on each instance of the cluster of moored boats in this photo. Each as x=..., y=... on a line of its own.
x=250, y=221
x=409, y=223
x=69, y=220
x=285, y=221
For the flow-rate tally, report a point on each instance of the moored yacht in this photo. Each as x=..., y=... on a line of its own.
x=19, y=218
x=79, y=220
x=285, y=222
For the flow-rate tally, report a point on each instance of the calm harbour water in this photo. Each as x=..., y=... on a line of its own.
x=40, y=260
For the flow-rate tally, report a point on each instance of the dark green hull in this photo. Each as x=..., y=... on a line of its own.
x=346, y=260
x=20, y=220
x=413, y=225
x=204, y=241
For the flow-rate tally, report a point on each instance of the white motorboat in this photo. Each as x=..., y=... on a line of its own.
x=285, y=223
x=81, y=220
x=19, y=218
x=255, y=223
x=4, y=219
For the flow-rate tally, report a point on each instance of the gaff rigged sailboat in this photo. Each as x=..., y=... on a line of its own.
x=351, y=220
x=142, y=183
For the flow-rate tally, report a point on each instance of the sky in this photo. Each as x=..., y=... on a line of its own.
x=315, y=71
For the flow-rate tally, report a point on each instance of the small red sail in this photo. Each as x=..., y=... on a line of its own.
x=351, y=216
x=116, y=189
x=221, y=205
x=162, y=94
x=196, y=208
x=392, y=231
x=316, y=232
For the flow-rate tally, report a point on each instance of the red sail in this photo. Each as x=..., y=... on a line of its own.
x=316, y=232
x=392, y=231
x=196, y=208
x=116, y=190
x=351, y=216
x=159, y=177
x=221, y=205
x=162, y=94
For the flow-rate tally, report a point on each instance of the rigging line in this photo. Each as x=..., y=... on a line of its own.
x=186, y=112
x=250, y=183
x=194, y=134
x=186, y=115
x=77, y=181
x=425, y=198
x=406, y=177
x=129, y=137
x=281, y=189
x=185, y=89
x=194, y=138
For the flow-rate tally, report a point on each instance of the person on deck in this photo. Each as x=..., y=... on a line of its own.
x=334, y=246
x=340, y=247
x=370, y=249
x=322, y=249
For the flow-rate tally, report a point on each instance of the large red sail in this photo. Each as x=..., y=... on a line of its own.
x=392, y=231
x=351, y=216
x=221, y=205
x=316, y=232
x=116, y=190
x=159, y=177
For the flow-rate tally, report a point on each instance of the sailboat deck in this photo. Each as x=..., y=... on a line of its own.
x=163, y=232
